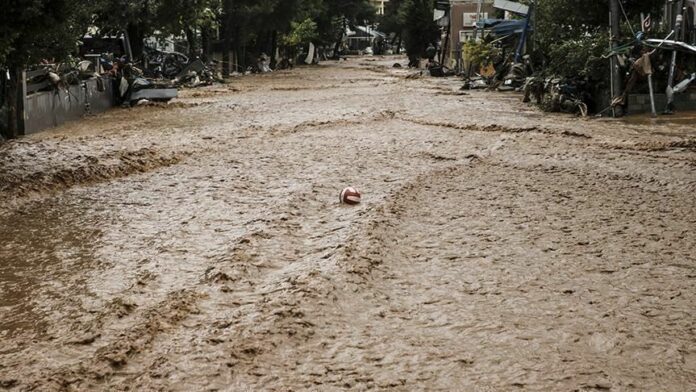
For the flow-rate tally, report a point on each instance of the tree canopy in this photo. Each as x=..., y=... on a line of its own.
x=412, y=21
x=31, y=30
x=570, y=38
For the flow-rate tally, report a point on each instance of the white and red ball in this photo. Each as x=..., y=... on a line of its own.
x=350, y=195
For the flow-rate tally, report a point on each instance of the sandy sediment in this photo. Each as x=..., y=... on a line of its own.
x=85, y=169
x=201, y=246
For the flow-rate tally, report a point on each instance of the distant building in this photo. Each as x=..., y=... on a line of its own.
x=362, y=37
x=379, y=5
x=464, y=18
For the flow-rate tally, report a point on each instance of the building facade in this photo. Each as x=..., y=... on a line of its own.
x=463, y=17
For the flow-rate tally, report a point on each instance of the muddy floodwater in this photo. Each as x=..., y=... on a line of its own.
x=200, y=245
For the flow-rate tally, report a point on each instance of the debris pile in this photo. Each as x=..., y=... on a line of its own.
x=178, y=68
x=556, y=95
x=103, y=60
x=134, y=88
x=107, y=60
x=48, y=75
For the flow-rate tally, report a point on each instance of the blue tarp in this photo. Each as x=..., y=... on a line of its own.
x=503, y=27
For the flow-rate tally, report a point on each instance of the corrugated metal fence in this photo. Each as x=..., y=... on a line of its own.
x=47, y=109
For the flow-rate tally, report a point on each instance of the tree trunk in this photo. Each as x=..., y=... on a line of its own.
x=226, y=35
x=237, y=60
x=268, y=42
x=262, y=40
x=615, y=26
x=205, y=43
x=274, y=48
x=191, y=40
x=238, y=51
x=242, y=59
x=226, y=57
x=337, y=47
x=12, y=98
x=136, y=36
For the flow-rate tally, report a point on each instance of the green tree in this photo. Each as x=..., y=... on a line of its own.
x=284, y=14
x=419, y=28
x=336, y=15
x=391, y=22
x=33, y=30
x=301, y=33
x=570, y=37
x=136, y=17
x=186, y=17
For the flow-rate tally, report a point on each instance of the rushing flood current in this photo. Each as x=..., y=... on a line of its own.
x=200, y=245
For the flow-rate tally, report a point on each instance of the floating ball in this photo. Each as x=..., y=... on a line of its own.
x=350, y=195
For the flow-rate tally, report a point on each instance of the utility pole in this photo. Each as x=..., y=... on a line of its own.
x=653, y=111
x=478, y=18
x=616, y=77
x=444, y=5
x=669, y=108
x=523, y=38
x=227, y=9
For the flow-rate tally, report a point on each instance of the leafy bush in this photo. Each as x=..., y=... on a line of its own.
x=480, y=52
x=580, y=57
x=301, y=33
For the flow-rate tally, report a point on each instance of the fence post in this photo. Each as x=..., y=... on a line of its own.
x=22, y=102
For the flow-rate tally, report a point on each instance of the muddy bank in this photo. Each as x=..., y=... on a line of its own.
x=496, y=248
x=82, y=170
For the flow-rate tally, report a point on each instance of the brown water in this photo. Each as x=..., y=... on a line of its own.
x=678, y=119
x=200, y=246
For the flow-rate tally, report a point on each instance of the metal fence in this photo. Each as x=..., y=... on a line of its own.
x=47, y=109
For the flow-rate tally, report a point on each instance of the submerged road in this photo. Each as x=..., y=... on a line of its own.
x=200, y=245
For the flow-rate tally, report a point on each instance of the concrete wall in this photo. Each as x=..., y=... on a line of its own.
x=640, y=103
x=48, y=109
